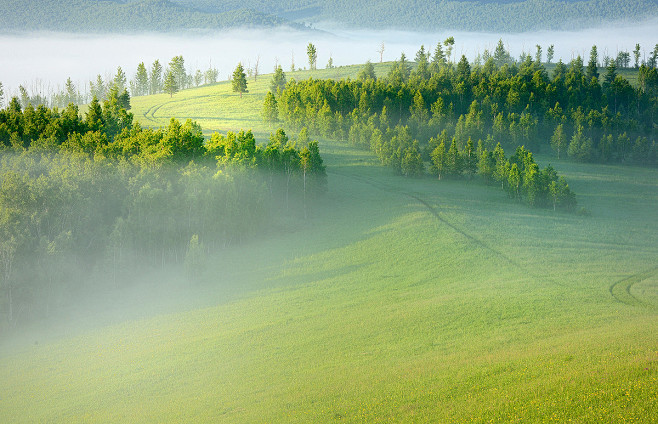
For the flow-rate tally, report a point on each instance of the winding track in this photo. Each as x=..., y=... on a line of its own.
x=435, y=212
x=621, y=290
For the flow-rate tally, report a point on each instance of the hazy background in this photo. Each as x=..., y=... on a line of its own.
x=43, y=61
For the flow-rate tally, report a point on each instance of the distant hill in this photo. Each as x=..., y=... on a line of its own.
x=420, y=15
x=119, y=16
x=434, y=15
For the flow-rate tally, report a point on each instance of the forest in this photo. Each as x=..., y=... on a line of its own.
x=457, y=118
x=113, y=16
x=422, y=15
x=102, y=199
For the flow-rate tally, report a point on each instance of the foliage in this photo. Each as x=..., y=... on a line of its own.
x=312, y=55
x=239, y=80
x=104, y=195
x=113, y=16
x=426, y=15
x=500, y=101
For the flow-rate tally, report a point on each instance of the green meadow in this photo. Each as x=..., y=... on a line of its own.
x=397, y=300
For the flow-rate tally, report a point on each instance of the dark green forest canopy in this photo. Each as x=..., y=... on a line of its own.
x=605, y=120
x=466, y=15
x=116, y=16
x=458, y=117
x=421, y=15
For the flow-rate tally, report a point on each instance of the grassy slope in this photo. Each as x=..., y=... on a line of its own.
x=218, y=108
x=399, y=300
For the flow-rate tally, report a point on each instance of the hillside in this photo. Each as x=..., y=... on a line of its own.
x=116, y=16
x=421, y=15
x=464, y=15
x=397, y=300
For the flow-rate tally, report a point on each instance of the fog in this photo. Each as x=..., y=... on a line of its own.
x=43, y=61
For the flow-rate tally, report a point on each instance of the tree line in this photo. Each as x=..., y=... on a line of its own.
x=577, y=111
x=152, y=79
x=89, y=202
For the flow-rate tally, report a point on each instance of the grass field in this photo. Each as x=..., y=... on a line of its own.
x=398, y=300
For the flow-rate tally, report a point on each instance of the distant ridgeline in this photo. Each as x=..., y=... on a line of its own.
x=439, y=15
x=413, y=114
x=104, y=194
x=93, y=16
x=421, y=15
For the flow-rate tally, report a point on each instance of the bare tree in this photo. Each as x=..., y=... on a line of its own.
x=256, y=67
x=381, y=52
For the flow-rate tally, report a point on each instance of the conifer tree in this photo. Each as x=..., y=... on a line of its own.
x=141, y=80
x=278, y=82
x=239, y=80
x=155, y=78
x=270, y=109
x=170, y=84
x=558, y=140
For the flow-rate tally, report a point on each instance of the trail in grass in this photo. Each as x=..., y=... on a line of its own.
x=433, y=209
x=621, y=290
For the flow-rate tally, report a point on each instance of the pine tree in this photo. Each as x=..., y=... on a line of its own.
x=141, y=80
x=177, y=67
x=270, y=109
x=550, y=52
x=592, y=66
x=94, y=116
x=170, y=84
x=239, y=80
x=278, y=82
x=155, y=78
x=120, y=80
x=558, y=140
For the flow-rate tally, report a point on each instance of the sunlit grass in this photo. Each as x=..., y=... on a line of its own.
x=217, y=108
x=378, y=309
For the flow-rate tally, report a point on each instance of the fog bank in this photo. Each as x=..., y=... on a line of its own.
x=43, y=61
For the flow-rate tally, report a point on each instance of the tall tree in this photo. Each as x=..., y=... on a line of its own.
x=255, y=70
x=538, y=54
x=2, y=95
x=636, y=55
x=141, y=80
x=170, y=83
x=312, y=54
x=438, y=58
x=71, y=94
x=501, y=56
x=97, y=89
x=155, y=77
x=438, y=157
x=381, y=52
x=94, y=116
x=278, y=82
x=239, y=80
x=270, y=109
x=120, y=80
x=367, y=72
x=177, y=67
x=550, y=53
x=198, y=78
x=593, y=64
x=210, y=76
x=559, y=140
x=449, y=43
